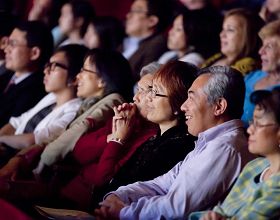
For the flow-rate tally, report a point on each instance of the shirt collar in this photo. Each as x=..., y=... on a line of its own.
x=218, y=130
x=18, y=79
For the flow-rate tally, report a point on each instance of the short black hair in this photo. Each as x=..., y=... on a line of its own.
x=83, y=9
x=75, y=54
x=114, y=69
x=268, y=100
x=38, y=35
x=110, y=31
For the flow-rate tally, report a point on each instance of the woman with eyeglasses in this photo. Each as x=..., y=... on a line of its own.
x=104, y=81
x=256, y=194
x=172, y=142
x=48, y=119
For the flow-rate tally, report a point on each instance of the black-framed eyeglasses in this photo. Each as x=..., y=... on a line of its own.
x=87, y=70
x=53, y=65
x=256, y=124
x=154, y=94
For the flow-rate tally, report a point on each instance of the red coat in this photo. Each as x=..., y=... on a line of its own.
x=101, y=160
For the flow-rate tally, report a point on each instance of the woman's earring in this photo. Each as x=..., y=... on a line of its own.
x=176, y=113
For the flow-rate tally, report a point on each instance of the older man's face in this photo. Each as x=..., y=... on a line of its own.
x=199, y=113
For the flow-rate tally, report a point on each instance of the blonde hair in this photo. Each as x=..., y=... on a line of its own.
x=270, y=29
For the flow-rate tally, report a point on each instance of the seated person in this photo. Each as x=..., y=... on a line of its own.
x=147, y=157
x=144, y=23
x=269, y=76
x=29, y=47
x=212, y=114
x=270, y=11
x=104, y=32
x=187, y=37
x=49, y=118
x=255, y=194
x=239, y=41
x=104, y=76
x=74, y=19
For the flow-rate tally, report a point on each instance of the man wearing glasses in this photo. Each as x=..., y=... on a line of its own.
x=28, y=48
x=144, y=23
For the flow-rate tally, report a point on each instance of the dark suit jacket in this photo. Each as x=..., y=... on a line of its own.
x=21, y=97
x=5, y=76
x=150, y=49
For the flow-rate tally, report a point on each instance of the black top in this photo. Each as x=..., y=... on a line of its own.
x=155, y=157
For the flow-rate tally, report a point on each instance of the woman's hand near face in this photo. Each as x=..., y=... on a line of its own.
x=124, y=120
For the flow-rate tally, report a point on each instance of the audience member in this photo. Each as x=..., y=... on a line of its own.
x=156, y=156
x=211, y=20
x=239, y=41
x=212, y=114
x=49, y=118
x=269, y=76
x=28, y=48
x=145, y=23
x=181, y=42
x=270, y=10
x=47, y=11
x=104, y=32
x=103, y=82
x=74, y=19
x=102, y=152
x=255, y=194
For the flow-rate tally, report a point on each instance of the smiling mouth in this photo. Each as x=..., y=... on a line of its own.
x=188, y=117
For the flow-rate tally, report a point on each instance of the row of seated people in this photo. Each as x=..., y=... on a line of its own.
x=21, y=71
x=220, y=153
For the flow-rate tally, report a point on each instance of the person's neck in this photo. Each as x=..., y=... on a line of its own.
x=274, y=160
x=230, y=59
x=75, y=36
x=274, y=76
x=181, y=53
x=144, y=35
x=64, y=96
x=167, y=125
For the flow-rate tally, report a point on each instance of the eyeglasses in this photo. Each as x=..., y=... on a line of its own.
x=14, y=43
x=53, y=65
x=143, y=90
x=255, y=124
x=87, y=70
x=154, y=94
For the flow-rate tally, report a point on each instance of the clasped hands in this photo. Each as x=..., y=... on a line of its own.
x=123, y=121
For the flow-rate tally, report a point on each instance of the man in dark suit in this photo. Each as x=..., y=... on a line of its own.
x=28, y=48
x=145, y=22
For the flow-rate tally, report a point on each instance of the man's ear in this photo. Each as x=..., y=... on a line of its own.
x=35, y=53
x=153, y=21
x=101, y=84
x=220, y=107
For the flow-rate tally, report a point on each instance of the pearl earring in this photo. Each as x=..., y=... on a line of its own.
x=176, y=113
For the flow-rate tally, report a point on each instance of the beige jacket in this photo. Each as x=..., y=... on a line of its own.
x=100, y=112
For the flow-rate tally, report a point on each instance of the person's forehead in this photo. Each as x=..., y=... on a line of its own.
x=19, y=34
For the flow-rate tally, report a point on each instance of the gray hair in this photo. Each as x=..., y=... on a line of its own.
x=227, y=83
x=151, y=68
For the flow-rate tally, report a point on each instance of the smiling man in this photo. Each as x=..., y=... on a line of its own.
x=212, y=110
